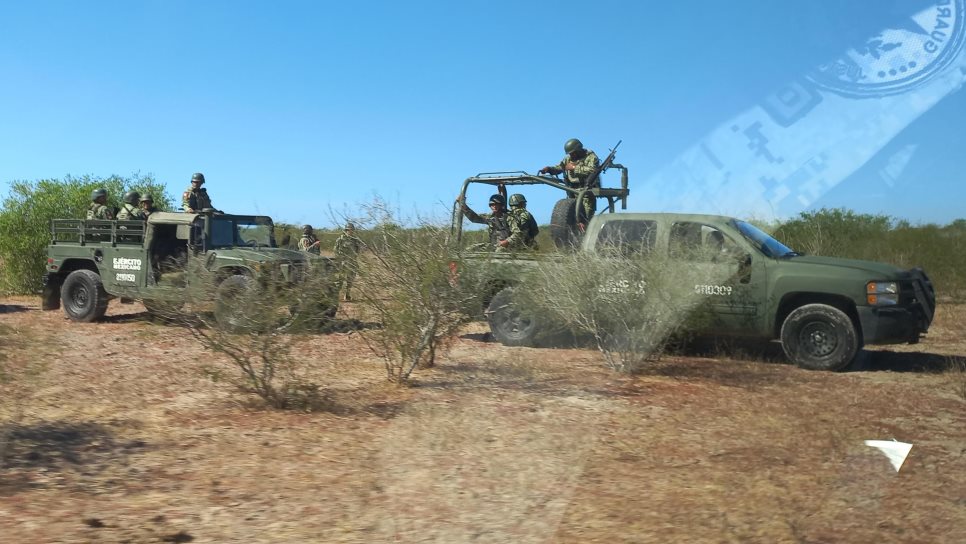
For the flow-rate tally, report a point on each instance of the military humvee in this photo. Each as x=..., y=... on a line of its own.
x=90, y=262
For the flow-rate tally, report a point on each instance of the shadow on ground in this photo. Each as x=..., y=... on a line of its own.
x=27, y=451
x=12, y=308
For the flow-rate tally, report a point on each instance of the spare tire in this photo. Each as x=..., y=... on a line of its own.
x=563, y=224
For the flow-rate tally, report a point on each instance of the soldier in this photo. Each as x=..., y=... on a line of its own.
x=309, y=243
x=196, y=199
x=98, y=208
x=523, y=227
x=347, y=248
x=129, y=209
x=496, y=220
x=578, y=167
x=147, y=206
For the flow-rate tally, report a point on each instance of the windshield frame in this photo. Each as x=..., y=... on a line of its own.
x=232, y=223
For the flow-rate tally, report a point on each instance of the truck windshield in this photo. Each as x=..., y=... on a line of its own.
x=227, y=231
x=765, y=243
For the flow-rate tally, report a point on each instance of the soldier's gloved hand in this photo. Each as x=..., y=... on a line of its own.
x=544, y=170
x=503, y=243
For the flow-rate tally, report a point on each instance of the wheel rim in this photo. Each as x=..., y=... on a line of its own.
x=513, y=323
x=818, y=339
x=79, y=297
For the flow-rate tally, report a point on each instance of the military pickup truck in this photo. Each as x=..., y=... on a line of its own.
x=822, y=309
x=90, y=262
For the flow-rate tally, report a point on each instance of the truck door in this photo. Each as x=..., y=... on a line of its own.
x=725, y=275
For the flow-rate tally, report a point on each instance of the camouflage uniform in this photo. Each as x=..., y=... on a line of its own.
x=520, y=220
x=99, y=211
x=306, y=244
x=577, y=178
x=498, y=223
x=347, y=249
x=130, y=213
x=195, y=199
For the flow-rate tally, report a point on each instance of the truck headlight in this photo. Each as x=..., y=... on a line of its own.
x=882, y=293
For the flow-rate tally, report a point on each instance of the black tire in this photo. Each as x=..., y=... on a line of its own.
x=510, y=324
x=83, y=296
x=563, y=224
x=230, y=303
x=820, y=337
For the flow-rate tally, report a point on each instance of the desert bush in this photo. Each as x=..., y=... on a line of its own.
x=629, y=307
x=257, y=325
x=409, y=286
x=30, y=205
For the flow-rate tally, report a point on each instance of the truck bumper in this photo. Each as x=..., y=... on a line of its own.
x=892, y=325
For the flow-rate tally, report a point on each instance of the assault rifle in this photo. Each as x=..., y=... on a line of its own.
x=592, y=181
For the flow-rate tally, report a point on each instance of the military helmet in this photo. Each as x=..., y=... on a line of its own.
x=350, y=226
x=198, y=176
x=132, y=197
x=573, y=145
x=498, y=199
x=98, y=193
x=147, y=198
x=517, y=200
x=307, y=229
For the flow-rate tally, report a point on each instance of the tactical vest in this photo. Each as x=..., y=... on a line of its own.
x=499, y=228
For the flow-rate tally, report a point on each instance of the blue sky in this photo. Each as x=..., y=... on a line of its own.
x=294, y=109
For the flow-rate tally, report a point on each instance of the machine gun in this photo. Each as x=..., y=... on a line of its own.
x=592, y=181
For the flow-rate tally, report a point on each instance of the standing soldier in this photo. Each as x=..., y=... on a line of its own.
x=578, y=167
x=147, y=206
x=308, y=242
x=496, y=221
x=98, y=208
x=196, y=197
x=347, y=248
x=129, y=209
x=523, y=227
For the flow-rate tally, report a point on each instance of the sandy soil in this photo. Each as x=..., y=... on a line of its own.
x=115, y=432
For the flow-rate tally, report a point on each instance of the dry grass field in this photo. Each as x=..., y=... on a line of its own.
x=113, y=432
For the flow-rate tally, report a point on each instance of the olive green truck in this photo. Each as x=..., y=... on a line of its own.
x=90, y=262
x=822, y=309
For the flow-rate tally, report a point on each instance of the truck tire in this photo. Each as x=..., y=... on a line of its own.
x=820, y=337
x=230, y=302
x=83, y=296
x=510, y=324
x=563, y=224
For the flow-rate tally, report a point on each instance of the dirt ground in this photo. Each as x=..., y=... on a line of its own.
x=113, y=432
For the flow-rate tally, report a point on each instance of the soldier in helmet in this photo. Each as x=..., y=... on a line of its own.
x=196, y=197
x=578, y=167
x=147, y=205
x=308, y=242
x=129, y=208
x=523, y=227
x=347, y=248
x=98, y=208
x=497, y=220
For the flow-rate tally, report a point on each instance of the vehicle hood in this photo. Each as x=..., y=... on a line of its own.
x=872, y=267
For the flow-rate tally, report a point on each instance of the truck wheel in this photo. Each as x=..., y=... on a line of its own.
x=819, y=337
x=563, y=224
x=83, y=296
x=230, y=304
x=510, y=324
